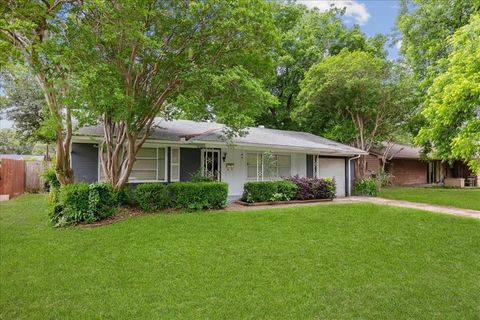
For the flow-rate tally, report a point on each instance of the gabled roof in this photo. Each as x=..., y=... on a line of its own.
x=213, y=133
x=400, y=151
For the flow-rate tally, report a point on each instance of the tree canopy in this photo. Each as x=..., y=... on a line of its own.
x=452, y=107
x=306, y=37
x=135, y=60
x=356, y=97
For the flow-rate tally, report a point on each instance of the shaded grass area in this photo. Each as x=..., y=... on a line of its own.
x=459, y=198
x=327, y=261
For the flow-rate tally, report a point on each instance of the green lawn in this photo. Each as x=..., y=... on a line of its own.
x=460, y=198
x=329, y=261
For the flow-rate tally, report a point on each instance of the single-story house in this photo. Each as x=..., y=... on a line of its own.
x=178, y=149
x=407, y=167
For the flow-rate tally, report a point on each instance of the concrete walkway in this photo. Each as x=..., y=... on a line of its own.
x=421, y=206
x=383, y=201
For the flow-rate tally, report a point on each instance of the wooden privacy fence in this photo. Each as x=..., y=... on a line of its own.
x=19, y=176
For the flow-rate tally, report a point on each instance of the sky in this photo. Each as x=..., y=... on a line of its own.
x=373, y=16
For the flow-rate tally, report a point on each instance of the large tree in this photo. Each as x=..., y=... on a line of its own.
x=24, y=104
x=31, y=34
x=452, y=107
x=306, y=37
x=356, y=97
x=425, y=26
x=136, y=59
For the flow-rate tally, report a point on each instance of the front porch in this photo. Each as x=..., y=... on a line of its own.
x=458, y=174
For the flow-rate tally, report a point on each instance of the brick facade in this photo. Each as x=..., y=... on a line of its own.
x=408, y=172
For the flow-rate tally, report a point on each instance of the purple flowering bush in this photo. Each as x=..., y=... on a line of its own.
x=314, y=188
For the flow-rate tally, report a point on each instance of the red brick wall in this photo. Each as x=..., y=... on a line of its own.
x=373, y=163
x=407, y=172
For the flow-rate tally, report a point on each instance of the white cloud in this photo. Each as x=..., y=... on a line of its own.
x=357, y=11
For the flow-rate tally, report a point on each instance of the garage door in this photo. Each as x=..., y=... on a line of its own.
x=333, y=168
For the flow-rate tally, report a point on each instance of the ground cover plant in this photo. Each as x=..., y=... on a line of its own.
x=460, y=198
x=328, y=261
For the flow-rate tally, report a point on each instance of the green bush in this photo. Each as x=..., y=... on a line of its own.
x=50, y=178
x=198, y=176
x=54, y=207
x=287, y=189
x=261, y=191
x=103, y=201
x=72, y=204
x=126, y=196
x=199, y=195
x=366, y=187
x=152, y=196
x=81, y=202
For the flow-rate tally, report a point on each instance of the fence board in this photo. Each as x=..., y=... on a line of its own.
x=12, y=177
x=33, y=175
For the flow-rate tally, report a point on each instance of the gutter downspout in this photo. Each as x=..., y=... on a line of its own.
x=350, y=173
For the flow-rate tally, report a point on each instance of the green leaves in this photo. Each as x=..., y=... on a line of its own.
x=355, y=97
x=452, y=107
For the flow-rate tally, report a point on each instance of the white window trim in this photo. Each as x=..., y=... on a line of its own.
x=259, y=156
x=99, y=173
x=177, y=164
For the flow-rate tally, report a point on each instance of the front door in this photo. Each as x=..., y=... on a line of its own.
x=211, y=163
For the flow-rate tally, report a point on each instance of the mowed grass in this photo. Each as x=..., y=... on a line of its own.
x=328, y=261
x=460, y=198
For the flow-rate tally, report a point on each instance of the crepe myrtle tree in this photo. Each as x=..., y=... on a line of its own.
x=357, y=98
x=31, y=35
x=134, y=60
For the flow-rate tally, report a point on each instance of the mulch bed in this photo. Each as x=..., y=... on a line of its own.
x=271, y=203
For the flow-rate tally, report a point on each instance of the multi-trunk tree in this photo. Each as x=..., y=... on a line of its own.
x=31, y=35
x=358, y=98
x=136, y=60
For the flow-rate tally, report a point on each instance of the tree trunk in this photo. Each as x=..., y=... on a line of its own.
x=360, y=167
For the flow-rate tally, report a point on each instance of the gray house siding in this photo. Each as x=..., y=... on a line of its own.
x=189, y=162
x=85, y=162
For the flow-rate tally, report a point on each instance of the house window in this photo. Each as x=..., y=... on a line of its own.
x=175, y=164
x=266, y=166
x=149, y=165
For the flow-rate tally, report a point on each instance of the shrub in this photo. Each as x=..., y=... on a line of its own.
x=261, y=191
x=81, y=202
x=366, y=187
x=103, y=200
x=126, y=196
x=287, y=190
x=198, y=176
x=199, y=195
x=54, y=207
x=50, y=178
x=314, y=188
x=384, y=178
x=72, y=206
x=152, y=196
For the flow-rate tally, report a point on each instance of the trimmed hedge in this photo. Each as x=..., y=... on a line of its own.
x=314, y=188
x=262, y=191
x=81, y=202
x=152, y=196
x=199, y=195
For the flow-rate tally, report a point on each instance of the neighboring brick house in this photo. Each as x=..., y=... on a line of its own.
x=403, y=162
